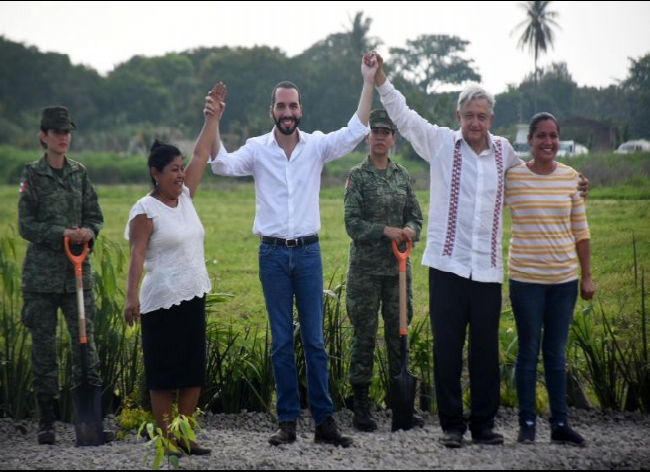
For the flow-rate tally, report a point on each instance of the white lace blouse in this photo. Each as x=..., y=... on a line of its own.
x=175, y=261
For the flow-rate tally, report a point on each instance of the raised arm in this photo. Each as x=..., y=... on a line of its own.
x=418, y=131
x=380, y=76
x=215, y=103
x=368, y=70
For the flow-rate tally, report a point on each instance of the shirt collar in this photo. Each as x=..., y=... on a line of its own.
x=44, y=168
x=458, y=135
x=270, y=137
x=369, y=166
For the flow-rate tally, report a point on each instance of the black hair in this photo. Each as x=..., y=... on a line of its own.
x=43, y=143
x=537, y=119
x=285, y=84
x=44, y=130
x=160, y=156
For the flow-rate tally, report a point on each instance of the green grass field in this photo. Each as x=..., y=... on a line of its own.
x=227, y=212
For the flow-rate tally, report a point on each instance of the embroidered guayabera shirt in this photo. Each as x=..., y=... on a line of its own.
x=465, y=213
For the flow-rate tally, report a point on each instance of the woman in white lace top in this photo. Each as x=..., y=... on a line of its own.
x=166, y=239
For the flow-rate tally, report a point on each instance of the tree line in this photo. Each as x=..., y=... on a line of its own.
x=162, y=96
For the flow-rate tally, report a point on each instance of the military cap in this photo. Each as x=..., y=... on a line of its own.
x=56, y=117
x=379, y=119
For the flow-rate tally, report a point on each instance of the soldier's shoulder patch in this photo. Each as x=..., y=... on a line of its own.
x=23, y=187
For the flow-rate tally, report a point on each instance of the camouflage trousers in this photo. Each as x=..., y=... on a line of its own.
x=365, y=295
x=39, y=315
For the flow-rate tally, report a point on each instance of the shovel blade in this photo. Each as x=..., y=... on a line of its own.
x=88, y=426
x=402, y=391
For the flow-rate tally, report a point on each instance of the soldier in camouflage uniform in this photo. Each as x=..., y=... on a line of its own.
x=57, y=199
x=380, y=206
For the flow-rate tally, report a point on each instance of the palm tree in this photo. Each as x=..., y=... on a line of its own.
x=538, y=32
x=360, y=42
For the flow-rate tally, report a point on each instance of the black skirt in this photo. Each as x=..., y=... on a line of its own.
x=173, y=341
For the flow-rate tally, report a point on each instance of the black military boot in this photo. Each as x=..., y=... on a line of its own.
x=363, y=420
x=286, y=434
x=418, y=421
x=46, y=424
x=328, y=432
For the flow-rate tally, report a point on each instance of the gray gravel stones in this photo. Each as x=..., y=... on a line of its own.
x=615, y=441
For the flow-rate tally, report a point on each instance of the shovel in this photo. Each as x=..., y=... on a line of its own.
x=402, y=386
x=86, y=398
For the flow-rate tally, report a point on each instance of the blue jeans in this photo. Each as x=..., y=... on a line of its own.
x=287, y=273
x=549, y=309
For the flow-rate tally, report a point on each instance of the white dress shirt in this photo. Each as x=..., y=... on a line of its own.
x=287, y=190
x=465, y=212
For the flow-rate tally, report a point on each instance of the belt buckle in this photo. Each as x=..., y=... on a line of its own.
x=292, y=242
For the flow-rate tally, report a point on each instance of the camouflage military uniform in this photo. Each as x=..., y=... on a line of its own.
x=51, y=202
x=375, y=199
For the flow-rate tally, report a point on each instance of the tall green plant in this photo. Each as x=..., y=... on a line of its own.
x=118, y=346
x=337, y=335
x=422, y=363
x=601, y=350
x=380, y=385
x=16, y=390
x=634, y=365
x=508, y=347
x=239, y=370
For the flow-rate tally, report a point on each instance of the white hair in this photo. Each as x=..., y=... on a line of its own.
x=475, y=92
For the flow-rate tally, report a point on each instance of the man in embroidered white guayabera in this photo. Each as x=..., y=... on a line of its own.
x=287, y=164
x=463, y=251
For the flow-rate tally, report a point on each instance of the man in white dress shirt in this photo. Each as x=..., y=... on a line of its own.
x=286, y=165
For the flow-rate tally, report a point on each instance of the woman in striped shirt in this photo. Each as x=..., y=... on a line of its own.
x=550, y=238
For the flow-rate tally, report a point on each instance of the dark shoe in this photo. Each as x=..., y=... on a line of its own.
x=286, y=434
x=328, y=432
x=562, y=433
x=194, y=450
x=452, y=439
x=526, y=433
x=418, y=421
x=45, y=433
x=109, y=436
x=363, y=420
x=488, y=437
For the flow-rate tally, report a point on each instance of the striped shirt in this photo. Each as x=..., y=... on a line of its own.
x=548, y=221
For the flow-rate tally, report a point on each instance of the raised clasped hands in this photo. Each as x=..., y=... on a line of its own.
x=369, y=65
x=373, y=59
x=215, y=101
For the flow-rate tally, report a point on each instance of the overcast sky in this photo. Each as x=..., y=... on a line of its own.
x=596, y=38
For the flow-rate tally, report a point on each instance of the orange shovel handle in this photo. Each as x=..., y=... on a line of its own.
x=76, y=260
x=402, y=257
x=78, y=272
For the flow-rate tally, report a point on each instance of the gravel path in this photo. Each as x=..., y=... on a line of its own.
x=615, y=441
